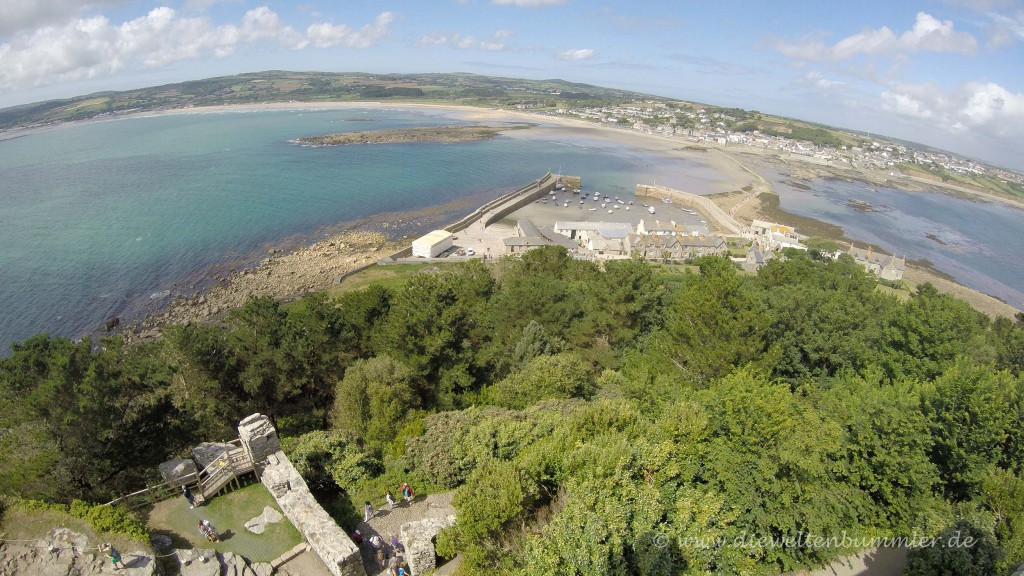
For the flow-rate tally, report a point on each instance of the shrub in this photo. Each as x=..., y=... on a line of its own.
x=100, y=517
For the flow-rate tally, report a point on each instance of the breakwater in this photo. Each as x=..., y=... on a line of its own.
x=715, y=215
x=484, y=216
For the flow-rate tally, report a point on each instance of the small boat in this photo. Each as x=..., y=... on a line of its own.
x=610, y=211
x=606, y=199
x=644, y=205
x=651, y=209
x=666, y=200
x=603, y=205
x=592, y=209
x=627, y=208
x=581, y=201
x=630, y=202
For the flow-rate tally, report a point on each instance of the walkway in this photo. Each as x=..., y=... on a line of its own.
x=386, y=523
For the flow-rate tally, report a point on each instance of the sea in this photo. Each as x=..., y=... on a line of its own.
x=116, y=218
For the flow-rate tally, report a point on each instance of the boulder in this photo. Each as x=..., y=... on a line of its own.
x=197, y=562
x=259, y=524
x=209, y=452
x=179, y=471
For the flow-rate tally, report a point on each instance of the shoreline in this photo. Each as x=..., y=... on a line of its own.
x=292, y=270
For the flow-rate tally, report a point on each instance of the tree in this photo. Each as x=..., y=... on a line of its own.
x=372, y=399
x=921, y=338
x=963, y=549
x=969, y=409
x=544, y=378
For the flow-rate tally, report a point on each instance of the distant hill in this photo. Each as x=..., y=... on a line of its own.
x=281, y=86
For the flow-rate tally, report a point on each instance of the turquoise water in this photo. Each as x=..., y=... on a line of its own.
x=107, y=219
x=116, y=218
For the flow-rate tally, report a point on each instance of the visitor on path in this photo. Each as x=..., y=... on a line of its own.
x=207, y=529
x=390, y=499
x=367, y=511
x=113, y=554
x=407, y=493
x=188, y=496
x=376, y=542
x=357, y=537
x=395, y=544
x=381, y=561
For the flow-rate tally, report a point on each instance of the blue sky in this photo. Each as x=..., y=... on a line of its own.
x=949, y=73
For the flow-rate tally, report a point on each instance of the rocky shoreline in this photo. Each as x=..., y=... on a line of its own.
x=442, y=134
x=281, y=276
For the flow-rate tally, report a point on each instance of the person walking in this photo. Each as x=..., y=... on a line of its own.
x=113, y=554
x=188, y=496
x=407, y=493
x=367, y=511
x=207, y=529
x=390, y=499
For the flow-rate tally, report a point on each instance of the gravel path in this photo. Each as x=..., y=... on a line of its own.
x=386, y=523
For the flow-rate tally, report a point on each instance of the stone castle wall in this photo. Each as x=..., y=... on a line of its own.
x=327, y=540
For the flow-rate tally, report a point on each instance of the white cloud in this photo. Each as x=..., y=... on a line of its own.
x=18, y=15
x=816, y=80
x=325, y=35
x=983, y=108
x=1006, y=28
x=928, y=34
x=528, y=3
x=496, y=43
x=93, y=47
x=581, y=54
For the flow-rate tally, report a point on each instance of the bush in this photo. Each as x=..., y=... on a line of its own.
x=100, y=517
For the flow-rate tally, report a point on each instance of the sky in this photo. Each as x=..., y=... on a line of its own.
x=948, y=73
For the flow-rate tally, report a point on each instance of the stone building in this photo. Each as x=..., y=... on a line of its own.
x=885, y=266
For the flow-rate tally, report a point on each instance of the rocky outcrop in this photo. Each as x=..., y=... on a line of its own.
x=444, y=134
x=258, y=525
x=303, y=271
x=207, y=453
x=179, y=471
x=327, y=540
x=203, y=562
x=65, y=553
x=418, y=540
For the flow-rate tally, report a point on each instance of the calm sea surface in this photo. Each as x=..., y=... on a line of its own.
x=979, y=244
x=115, y=218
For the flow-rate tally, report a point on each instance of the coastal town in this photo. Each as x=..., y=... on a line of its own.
x=701, y=125
x=668, y=226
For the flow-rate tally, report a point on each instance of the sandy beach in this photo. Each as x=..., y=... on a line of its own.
x=314, y=268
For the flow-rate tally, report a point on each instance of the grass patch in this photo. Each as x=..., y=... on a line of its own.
x=902, y=294
x=229, y=513
x=392, y=276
